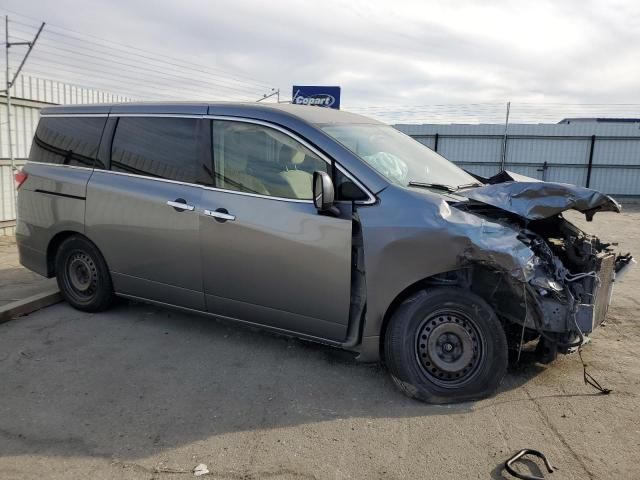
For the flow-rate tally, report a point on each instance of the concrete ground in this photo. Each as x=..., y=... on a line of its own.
x=141, y=392
x=17, y=283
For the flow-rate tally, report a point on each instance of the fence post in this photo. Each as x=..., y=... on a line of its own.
x=435, y=143
x=590, y=165
x=503, y=157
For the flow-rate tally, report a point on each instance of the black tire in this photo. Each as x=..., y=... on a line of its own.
x=83, y=276
x=446, y=345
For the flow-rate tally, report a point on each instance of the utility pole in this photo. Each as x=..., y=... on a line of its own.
x=10, y=81
x=274, y=92
x=504, y=139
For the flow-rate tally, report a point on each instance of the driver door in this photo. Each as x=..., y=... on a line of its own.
x=268, y=257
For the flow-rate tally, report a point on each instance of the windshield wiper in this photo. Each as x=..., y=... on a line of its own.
x=437, y=186
x=441, y=186
x=469, y=185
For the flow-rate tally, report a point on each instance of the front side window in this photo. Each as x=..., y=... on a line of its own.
x=168, y=148
x=67, y=140
x=398, y=157
x=261, y=160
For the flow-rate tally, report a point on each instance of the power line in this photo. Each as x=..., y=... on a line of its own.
x=158, y=88
x=105, y=58
x=156, y=77
x=489, y=113
x=105, y=62
x=127, y=49
x=182, y=63
x=54, y=59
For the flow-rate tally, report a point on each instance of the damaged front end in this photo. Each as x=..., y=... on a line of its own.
x=562, y=287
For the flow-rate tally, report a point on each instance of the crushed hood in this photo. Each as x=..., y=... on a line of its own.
x=535, y=200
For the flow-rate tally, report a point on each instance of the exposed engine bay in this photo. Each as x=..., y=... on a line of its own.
x=569, y=283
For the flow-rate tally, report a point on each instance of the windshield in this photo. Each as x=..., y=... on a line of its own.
x=398, y=157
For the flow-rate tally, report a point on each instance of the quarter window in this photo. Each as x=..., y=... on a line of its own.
x=167, y=148
x=347, y=190
x=261, y=160
x=67, y=140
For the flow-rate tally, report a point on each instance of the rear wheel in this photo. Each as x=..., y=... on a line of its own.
x=446, y=345
x=82, y=275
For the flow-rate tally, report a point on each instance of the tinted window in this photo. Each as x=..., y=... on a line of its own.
x=67, y=140
x=346, y=189
x=161, y=147
x=256, y=159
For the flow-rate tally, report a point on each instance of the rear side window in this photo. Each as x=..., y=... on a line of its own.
x=168, y=148
x=67, y=140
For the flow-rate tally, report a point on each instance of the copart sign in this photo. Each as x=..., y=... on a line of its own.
x=328, y=97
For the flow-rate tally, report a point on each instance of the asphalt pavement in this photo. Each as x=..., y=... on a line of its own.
x=143, y=392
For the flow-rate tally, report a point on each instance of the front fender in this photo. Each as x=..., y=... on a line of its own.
x=411, y=236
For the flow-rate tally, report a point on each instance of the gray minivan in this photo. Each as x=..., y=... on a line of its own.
x=316, y=223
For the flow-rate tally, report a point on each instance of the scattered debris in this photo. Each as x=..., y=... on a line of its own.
x=200, y=469
x=588, y=378
x=508, y=465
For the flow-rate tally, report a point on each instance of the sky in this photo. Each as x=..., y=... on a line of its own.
x=394, y=52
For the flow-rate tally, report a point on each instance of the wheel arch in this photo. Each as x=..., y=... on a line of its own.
x=54, y=245
x=460, y=277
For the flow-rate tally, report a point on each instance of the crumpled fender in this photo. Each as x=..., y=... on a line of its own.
x=491, y=243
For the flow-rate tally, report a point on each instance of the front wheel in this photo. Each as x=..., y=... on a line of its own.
x=83, y=276
x=446, y=345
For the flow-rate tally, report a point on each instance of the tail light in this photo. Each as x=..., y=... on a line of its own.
x=20, y=177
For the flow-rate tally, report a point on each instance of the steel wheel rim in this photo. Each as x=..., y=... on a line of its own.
x=449, y=348
x=81, y=275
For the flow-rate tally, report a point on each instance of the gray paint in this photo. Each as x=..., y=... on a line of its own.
x=537, y=200
x=43, y=215
x=144, y=241
x=279, y=263
x=279, y=260
x=413, y=235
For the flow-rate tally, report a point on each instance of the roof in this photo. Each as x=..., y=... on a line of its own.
x=599, y=120
x=315, y=115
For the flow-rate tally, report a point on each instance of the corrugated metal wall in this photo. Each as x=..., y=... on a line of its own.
x=558, y=153
x=29, y=95
x=50, y=91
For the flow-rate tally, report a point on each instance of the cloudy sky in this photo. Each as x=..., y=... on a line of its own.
x=394, y=52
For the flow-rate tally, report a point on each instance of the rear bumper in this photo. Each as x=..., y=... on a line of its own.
x=32, y=259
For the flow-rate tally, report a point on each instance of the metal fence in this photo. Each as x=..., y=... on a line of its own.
x=603, y=156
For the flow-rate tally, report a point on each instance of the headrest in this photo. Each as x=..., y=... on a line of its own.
x=290, y=156
x=235, y=154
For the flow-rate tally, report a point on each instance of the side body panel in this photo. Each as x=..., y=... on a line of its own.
x=151, y=249
x=279, y=263
x=399, y=250
x=412, y=235
x=51, y=200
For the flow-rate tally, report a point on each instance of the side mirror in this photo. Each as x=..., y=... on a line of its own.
x=323, y=193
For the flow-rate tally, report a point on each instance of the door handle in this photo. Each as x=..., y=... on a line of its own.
x=221, y=214
x=180, y=205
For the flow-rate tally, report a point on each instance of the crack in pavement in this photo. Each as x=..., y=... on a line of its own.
x=40, y=443
x=559, y=435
